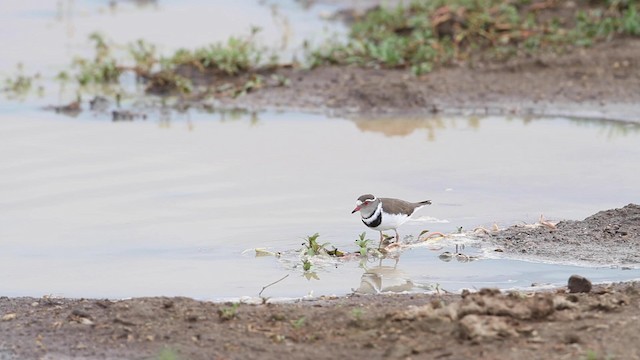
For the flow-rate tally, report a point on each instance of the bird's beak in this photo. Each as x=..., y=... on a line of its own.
x=356, y=209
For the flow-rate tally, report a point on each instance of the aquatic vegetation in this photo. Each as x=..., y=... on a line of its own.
x=363, y=243
x=426, y=34
x=312, y=248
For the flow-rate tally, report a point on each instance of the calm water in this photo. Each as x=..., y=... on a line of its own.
x=91, y=208
x=44, y=36
x=94, y=208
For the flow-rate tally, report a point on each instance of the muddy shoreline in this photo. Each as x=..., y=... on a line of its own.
x=601, y=82
x=574, y=322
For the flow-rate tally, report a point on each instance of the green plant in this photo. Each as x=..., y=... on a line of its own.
x=103, y=68
x=229, y=312
x=425, y=34
x=235, y=56
x=167, y=354
x=312, y=246
x=144, y=55
x=363, y=243
x=306, y=265
x=298, y=323
x=357, y=313
x=254, y=82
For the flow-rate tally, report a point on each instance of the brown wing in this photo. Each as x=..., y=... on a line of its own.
x=397, y=206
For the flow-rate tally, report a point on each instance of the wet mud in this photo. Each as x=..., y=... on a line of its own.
x=610, y=237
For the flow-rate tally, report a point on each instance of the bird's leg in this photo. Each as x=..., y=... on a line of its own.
x=397, y=237
x=381, y=239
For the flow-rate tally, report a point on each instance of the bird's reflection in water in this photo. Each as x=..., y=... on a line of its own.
x=458, y=255
x=384, y=278
x=380, y=278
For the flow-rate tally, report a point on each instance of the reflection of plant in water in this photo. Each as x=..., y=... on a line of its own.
x=610, y=129
x=21, y=84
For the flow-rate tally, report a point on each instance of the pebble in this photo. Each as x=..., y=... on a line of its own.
x=579, y=284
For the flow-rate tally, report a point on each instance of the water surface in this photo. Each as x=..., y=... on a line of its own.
x=169, y=206
x=93, y=208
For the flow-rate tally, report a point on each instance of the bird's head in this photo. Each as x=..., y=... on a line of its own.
x=366, y=204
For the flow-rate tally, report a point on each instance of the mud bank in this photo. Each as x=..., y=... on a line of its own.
x=601, y=82
x=610, y=237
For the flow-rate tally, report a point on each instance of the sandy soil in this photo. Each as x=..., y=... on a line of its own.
x=602, y=82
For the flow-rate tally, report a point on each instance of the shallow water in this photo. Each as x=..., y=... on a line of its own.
x=45, y=36
x=94, y=208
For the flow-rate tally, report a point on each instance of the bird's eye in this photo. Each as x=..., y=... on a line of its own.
x=367, y=202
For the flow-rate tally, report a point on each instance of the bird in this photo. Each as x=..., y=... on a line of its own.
x=386, y=213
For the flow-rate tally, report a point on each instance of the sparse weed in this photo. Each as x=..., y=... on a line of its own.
x=167, y=354
x=235, y=56
x=425, y=34
x=102, y=69
x=229, y=312
x=357, y=313
x=144, y=55
x=298, y=323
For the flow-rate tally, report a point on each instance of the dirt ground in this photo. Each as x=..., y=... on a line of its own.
x=602, y=324
x=608, y=237
x=600, y=82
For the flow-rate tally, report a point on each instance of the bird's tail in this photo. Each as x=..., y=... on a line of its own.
x=426, y=202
